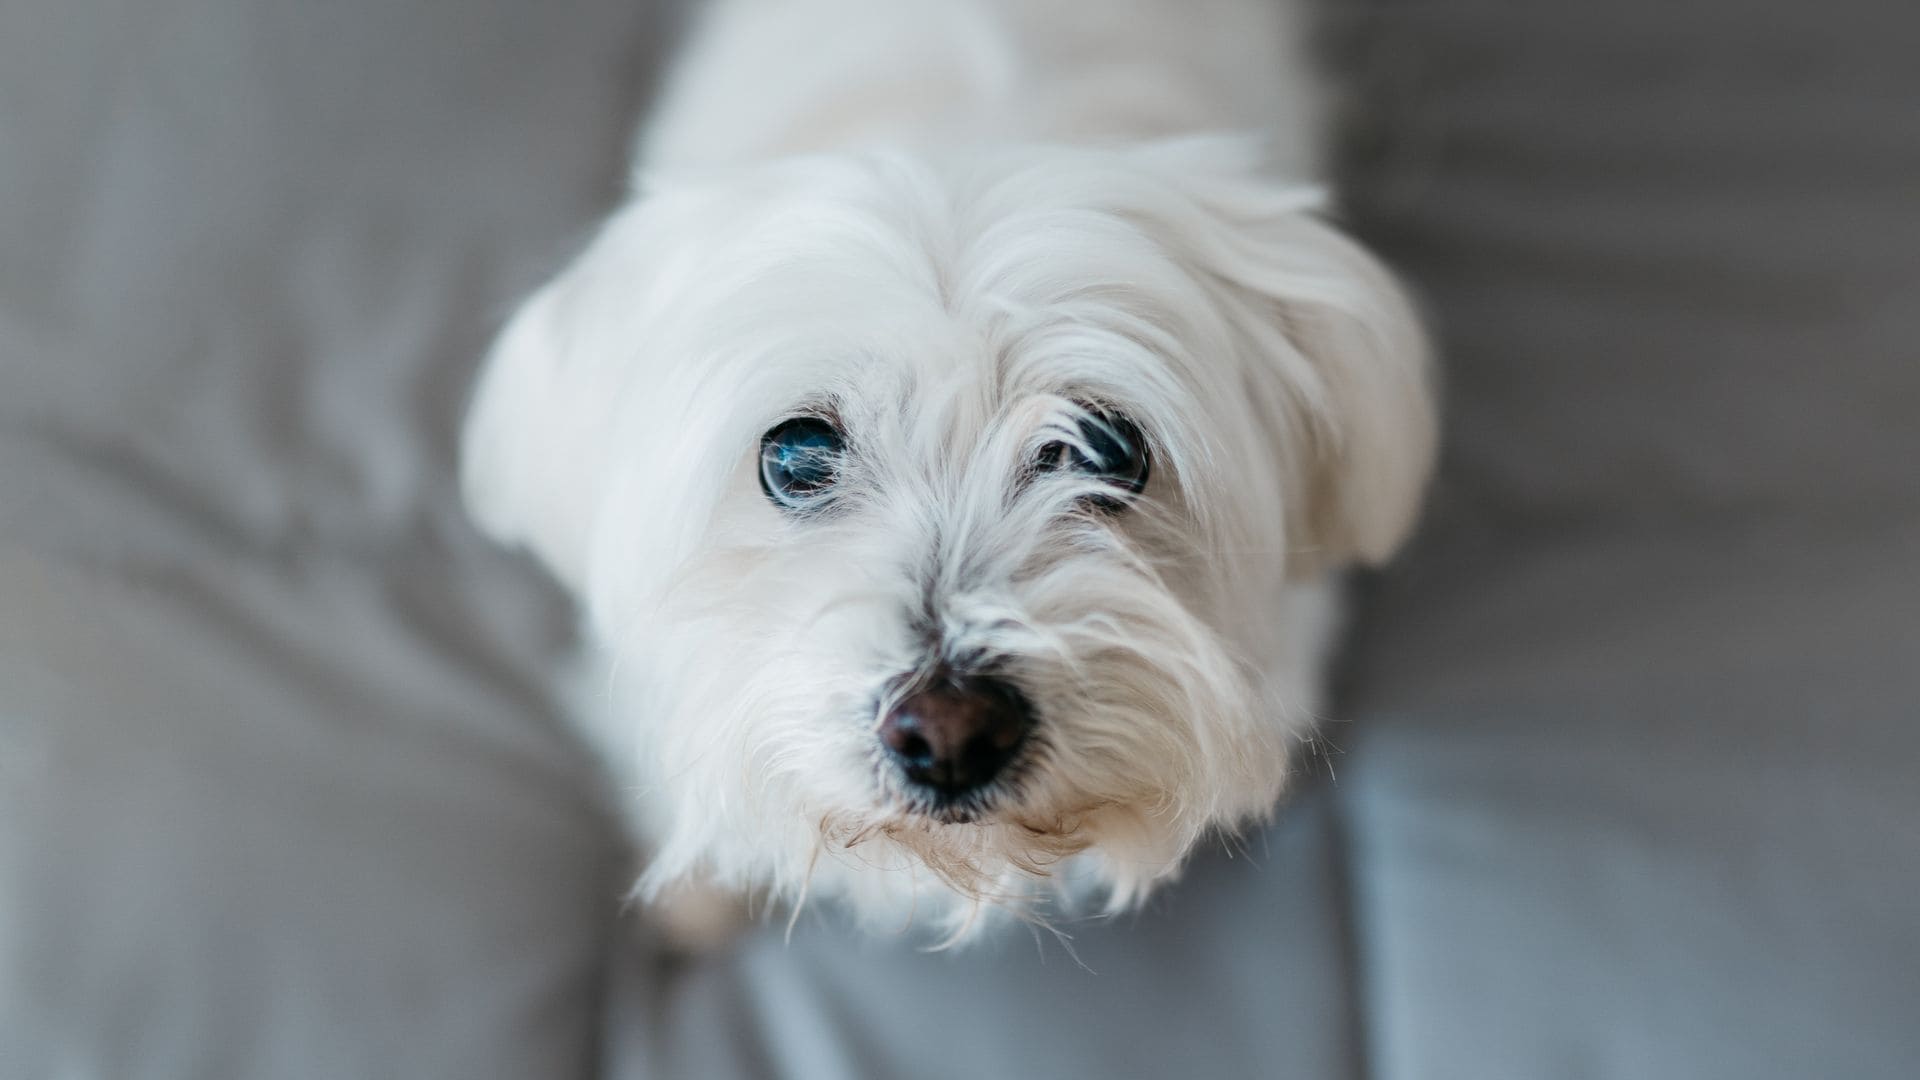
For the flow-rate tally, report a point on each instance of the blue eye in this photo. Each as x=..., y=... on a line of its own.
x=1115, y=451
x=799, y=462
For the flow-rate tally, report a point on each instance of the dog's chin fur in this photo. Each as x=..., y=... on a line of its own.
x=954, y=308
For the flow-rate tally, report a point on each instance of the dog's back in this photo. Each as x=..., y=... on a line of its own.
x=833, y=74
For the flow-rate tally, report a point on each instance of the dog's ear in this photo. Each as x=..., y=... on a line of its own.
x=522, y=445
x=1371, y=418
x=536, y=447
x=1338, y=364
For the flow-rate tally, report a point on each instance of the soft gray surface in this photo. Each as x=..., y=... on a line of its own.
x=1239, y=971
x=279, y=794
x=1631, y=791
x=1628, y=784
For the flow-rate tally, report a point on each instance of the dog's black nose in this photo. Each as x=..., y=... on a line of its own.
x=956, y=734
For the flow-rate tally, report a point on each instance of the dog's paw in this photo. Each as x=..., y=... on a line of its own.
x=693, y=919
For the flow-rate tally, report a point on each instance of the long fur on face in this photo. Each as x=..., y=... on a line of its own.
x=953, y=313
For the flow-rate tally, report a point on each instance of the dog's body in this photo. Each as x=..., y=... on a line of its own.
x=771, y=78
x=954, y=456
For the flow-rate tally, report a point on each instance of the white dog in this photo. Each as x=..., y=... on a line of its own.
x=954, y=445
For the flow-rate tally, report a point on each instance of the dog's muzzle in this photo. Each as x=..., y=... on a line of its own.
x=953, y=736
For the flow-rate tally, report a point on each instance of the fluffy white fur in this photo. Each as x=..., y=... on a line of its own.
x=950, y=223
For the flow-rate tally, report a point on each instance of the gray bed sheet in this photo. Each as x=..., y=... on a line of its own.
x=1628, y=737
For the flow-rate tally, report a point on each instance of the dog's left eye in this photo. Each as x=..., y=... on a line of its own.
x=1112, y=449
x=799, y=462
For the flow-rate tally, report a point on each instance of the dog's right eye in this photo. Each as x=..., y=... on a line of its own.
x=1115, y=451
x=799, y=462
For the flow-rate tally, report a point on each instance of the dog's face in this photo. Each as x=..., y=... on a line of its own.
x=946, y=521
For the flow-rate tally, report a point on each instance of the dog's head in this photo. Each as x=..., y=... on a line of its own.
x=952, y=519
